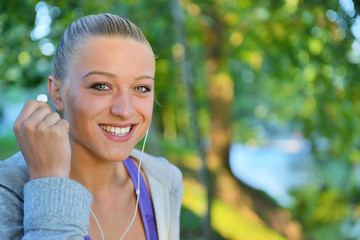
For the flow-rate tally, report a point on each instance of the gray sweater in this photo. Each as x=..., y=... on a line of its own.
x=59, y=208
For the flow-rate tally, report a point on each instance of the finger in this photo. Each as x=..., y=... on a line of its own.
x=29, y=108
x=62, y=125
x=48, y=121
x=31, y=123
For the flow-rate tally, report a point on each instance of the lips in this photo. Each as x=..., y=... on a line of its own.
x=116, y=131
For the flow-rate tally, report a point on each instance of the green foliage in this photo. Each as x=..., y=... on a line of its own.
x=8, y=146
x=292, y=70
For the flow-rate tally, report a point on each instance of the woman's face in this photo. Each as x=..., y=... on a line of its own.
x=109, y=96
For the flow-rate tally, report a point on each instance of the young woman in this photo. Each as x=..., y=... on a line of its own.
x=77, y=174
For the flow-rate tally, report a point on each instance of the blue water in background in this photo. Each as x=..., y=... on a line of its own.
x=276, y=168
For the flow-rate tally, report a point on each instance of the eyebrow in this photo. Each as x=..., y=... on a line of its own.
x=98, y=73
x=144, y=77
x=111, y=75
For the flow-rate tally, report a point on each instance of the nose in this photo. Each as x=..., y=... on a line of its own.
x=122, y=106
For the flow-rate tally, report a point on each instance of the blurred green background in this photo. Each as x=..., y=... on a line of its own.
x=231, y=75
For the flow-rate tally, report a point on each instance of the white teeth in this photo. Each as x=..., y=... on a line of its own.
x=117, y=131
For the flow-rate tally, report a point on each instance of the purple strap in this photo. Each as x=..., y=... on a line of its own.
x=145, y=203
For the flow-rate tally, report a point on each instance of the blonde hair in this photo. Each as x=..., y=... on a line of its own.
x=105, y=24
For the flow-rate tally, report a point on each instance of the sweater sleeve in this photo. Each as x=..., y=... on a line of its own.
x=11, y=214
x=56, y=208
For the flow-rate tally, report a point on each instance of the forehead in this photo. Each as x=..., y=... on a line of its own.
x=108, y=46
x=115, y=55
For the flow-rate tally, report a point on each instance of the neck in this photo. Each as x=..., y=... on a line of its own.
x=96, y=174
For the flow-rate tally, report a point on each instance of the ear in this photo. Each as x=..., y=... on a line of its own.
x=54, y=87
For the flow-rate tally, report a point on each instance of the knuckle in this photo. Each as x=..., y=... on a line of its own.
x=30, y=103
x=65, y=123
x=58, y=132
x=17, y=126
x=55, y=115
x=28, y=125
x=61, y=128
x=45, y=109
x=43, y=127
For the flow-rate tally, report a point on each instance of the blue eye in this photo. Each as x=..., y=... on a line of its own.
x=100, y=87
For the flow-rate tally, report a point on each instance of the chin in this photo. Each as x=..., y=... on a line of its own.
x=116, y=155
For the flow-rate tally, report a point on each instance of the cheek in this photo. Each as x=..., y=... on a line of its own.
x=74, y=113
x=146, y=107
x=80, y=108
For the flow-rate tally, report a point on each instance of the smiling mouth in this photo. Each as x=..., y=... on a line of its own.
x=116, y=131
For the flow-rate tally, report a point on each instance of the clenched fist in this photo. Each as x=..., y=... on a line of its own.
x=43, y=138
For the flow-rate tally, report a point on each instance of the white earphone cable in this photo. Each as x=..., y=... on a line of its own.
x=102, y=234
x=137, y=191
x=138, y=186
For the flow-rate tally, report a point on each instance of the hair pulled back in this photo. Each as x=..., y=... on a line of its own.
x=105, y=24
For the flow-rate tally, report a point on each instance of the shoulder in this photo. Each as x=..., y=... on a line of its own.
x=162, y=170
x=14, y=174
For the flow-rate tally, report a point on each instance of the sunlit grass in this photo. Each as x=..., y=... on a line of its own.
x=231, y=223
x=240, y=224
x=194, y=197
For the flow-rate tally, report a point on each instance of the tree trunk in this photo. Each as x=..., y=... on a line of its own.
x=187, y=77
x=223, y=184
x=219, y=181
